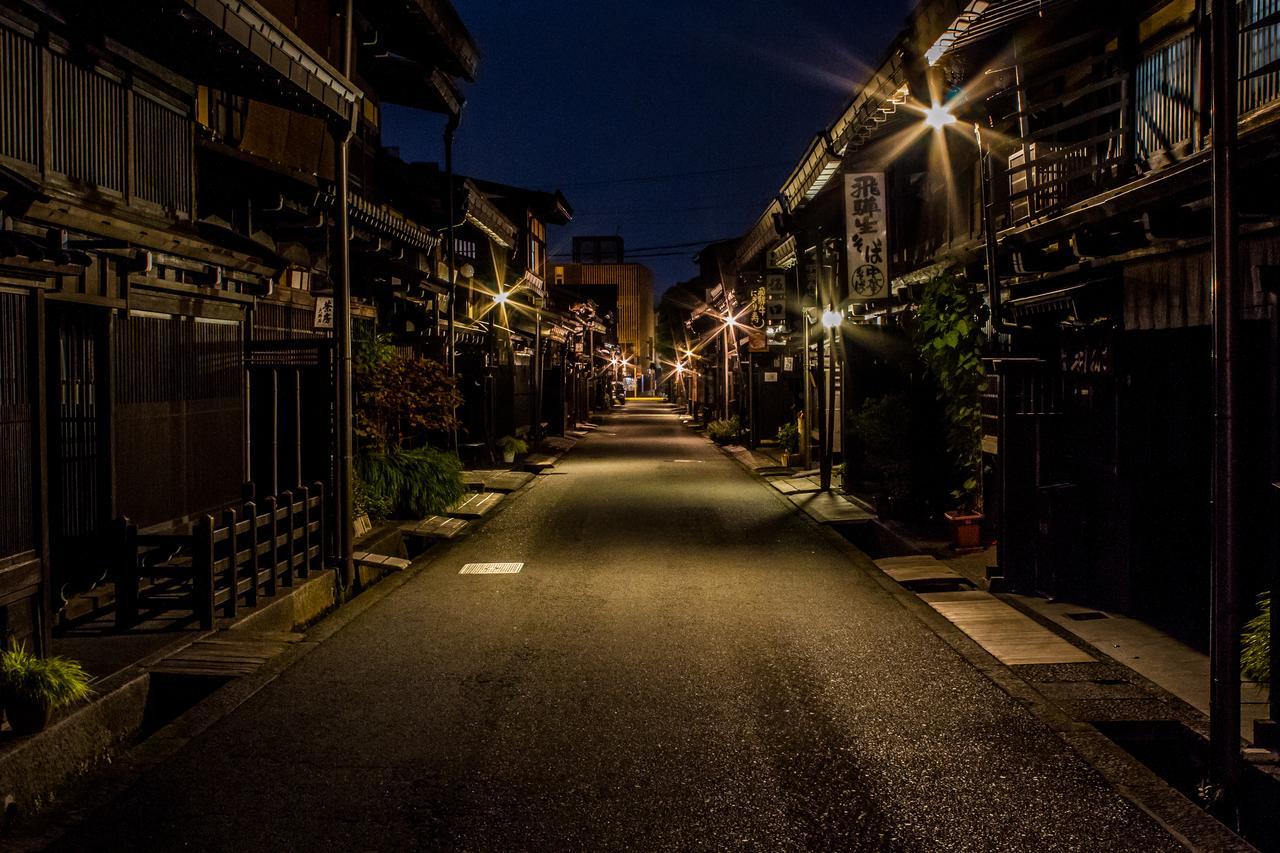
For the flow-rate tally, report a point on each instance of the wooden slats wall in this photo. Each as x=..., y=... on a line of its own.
x=88, y=126
x=1167, y=98
x=1173, y=292
x=1259, y=52
x=162, y=151
x=95, y=121
x=19, y=99
x=179, y=434
x=17, y=522
x=79, y=500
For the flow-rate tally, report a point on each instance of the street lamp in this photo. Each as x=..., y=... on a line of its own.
x=939, y=117
x=501, y=298
x=831, y=320
x=730, y=322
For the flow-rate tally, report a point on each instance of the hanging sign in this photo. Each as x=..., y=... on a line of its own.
x=867, y=232
x=323, y=318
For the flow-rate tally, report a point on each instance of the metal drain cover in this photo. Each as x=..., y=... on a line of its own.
x=491, y=568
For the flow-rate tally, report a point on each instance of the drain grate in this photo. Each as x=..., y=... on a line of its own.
x=1087, y=615
x=491, y=568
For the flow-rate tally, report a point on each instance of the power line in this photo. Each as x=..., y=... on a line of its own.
x=670, y=177
x=754, y=203
x=694, y=244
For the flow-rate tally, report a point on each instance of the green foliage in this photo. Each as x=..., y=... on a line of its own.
x=511, y=444
x=368, y=502
x=1255, y=655
x=410, y=483
x=400, y=396
x=882, y=430
x=55, y=681
x=724, y=431
x=949, y=336
x=789, y=437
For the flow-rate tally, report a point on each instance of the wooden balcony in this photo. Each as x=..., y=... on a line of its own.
x=85, y=131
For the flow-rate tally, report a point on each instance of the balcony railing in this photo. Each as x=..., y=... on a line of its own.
x=1076, y=147
x=103, y=137
x=1259, y=53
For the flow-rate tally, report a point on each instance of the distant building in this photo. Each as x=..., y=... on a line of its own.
x=599, y=272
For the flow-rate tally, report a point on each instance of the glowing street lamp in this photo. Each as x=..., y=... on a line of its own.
x=831, y=319
x=501, y=298
x=938, y=117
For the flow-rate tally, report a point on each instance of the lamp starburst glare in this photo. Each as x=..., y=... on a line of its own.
x=938, y=117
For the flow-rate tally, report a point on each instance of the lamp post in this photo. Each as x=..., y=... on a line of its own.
x=730, y=322
x=831, y=320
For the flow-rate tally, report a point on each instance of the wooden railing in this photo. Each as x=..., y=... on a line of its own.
x=85, y=128
x=1080, y=148
x=245, y=554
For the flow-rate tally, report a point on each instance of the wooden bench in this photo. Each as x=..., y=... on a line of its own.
x=245, y=553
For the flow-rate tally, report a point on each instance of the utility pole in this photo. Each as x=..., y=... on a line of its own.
x=1224, y=699
x=343, y=404
x=450, y=131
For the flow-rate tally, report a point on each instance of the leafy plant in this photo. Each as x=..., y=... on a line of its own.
x=882, y=430
x=723, y=431
x=54, y=681
x=411, y=483
x=789, y=437
x=1255, y=654
x=511, y=444
x=400, y=396
x=949, y=336
x=374, y=504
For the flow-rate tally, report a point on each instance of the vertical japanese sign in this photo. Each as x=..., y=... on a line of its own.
x=323, y=318
x=867, y=230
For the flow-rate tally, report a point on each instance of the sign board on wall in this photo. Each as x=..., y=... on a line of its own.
x=866, y=236
x=324, y=313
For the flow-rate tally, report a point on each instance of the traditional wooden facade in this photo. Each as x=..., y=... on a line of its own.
x=169, y=179
x=1098, y=439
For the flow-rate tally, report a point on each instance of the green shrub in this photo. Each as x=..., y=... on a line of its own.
x=54, y=681
x=789, y=438
x=950, y=340
x=511, y=444
x=1255, y=654
x=724, y=431
x=374, y=504
x=412, y=483
x=882, y=430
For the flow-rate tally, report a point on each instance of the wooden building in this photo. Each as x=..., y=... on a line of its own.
x=1098, y=430
x=170, y=186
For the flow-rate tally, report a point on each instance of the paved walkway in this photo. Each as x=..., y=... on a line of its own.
x=683, y=662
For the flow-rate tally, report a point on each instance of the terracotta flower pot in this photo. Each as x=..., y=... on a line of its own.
x=966, y=529
x=26, y=716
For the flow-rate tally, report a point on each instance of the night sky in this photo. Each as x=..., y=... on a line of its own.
x=666, y=122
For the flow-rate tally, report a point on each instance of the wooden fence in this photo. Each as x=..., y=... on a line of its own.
x=243, y=555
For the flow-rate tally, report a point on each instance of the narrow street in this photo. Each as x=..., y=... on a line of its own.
x=683, y=662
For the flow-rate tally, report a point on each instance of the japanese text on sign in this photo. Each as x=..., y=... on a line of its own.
x=866, y=227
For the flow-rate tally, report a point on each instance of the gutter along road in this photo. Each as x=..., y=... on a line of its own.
x=683, y=662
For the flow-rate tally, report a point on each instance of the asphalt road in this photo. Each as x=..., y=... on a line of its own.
x=683, y=663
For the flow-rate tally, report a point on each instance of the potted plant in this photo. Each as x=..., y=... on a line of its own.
x=789, y=441
x=33, y=687
x=724, y=431
x=950, y=316
x=512, y=447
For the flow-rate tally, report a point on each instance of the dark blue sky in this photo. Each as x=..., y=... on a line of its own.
x=590, y=95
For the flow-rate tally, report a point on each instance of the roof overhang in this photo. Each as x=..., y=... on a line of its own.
x=982, y=19
x=257, y=36
x=404, y=81
x=484, y=214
